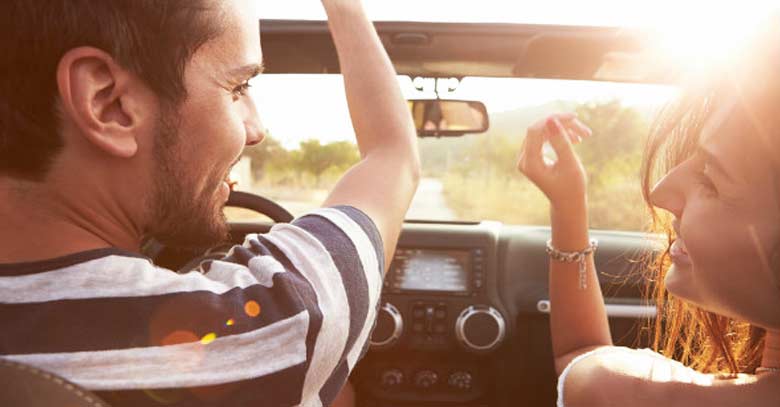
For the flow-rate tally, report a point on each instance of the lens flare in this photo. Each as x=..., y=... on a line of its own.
x=252, y=308
x=208, y=338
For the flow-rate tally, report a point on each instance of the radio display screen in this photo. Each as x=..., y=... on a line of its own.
x=431, y=270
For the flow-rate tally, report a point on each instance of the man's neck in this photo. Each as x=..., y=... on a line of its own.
x=40, y=223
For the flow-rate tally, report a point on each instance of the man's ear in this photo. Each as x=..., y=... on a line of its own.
x=100, y=99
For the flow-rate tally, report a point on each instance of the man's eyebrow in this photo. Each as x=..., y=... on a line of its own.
x=715, y=162
x=247, y=71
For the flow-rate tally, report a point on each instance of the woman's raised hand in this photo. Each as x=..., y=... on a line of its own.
x=563, y=180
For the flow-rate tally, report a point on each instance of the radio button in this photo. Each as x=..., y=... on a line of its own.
x=480, y=328
x=389, y=327
x=425, y=379
x=391, y=378
x=460, y=381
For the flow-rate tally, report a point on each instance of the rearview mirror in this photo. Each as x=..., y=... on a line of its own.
x=448, y=118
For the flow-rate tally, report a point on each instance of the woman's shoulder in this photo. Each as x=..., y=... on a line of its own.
x=618, y=375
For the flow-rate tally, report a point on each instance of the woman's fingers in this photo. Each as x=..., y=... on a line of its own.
x=531, y=153
x=560, y=139
x=554, y=178
x=562, y=131
x=564, y=117
x=577, y=130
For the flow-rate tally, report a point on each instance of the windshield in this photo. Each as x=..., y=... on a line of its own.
x=657, y=13
x=310, y=144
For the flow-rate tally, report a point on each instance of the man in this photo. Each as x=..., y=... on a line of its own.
x=120, y=120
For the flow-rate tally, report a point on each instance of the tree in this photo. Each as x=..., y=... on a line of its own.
x=616, y=148
x=317, y=158
x=484, y=184
x=269, y=152
x=612, y=159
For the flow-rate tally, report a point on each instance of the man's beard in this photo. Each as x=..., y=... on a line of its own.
x=179, y=216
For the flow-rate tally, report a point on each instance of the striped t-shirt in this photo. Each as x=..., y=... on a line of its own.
x=281, y=321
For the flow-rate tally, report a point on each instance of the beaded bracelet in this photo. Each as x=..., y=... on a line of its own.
x=574, y=257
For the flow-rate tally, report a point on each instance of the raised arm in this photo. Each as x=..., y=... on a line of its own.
x=578, y=320
x=383, y=183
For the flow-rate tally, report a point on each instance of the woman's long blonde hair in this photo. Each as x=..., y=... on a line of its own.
x=700, y=339
x=705, y=341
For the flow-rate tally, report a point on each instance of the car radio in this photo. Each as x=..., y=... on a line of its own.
x=434, y=300
x=446, y=271
x=440, y=323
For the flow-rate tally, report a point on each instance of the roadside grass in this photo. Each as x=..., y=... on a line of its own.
x=495, y=197
x=511, y=199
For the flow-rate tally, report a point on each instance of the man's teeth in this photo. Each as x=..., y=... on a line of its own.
x=231, y=183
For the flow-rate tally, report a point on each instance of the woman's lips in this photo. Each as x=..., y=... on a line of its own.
x=679, y=254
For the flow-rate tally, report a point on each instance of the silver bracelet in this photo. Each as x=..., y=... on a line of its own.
x=574, y=257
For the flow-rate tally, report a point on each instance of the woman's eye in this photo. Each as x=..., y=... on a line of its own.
x=706, y=182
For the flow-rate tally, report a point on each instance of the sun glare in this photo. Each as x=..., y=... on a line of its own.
x=699, y=36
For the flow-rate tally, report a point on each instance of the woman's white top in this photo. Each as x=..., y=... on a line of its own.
x=644, y=362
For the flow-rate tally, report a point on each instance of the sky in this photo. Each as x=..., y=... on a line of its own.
x=296, y=108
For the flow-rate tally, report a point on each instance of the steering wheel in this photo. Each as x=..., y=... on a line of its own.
x=260, y=205
x=237, y=199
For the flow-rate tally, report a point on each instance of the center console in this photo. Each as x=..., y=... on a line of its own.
x=431, y=302
x=439, y=322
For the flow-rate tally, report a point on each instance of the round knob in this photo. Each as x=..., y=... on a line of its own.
x=389, y=327
x=480, y=328
x=460, y=380
x=425, y=379
x=391, y=378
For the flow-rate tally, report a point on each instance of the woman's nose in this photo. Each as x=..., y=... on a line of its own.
x=669, y=192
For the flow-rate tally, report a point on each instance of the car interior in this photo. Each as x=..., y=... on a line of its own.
x=464, y=312
x=464, y=309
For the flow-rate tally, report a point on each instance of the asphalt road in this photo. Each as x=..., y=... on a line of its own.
x=429, y=202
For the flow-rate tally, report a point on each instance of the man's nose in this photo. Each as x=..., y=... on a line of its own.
x=255, y=131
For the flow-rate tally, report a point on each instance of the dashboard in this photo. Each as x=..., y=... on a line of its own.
x=464, y=314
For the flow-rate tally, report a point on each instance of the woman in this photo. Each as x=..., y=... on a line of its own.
x=718, y=284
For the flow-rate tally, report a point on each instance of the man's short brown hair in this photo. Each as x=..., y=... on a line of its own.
x=151, y=38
